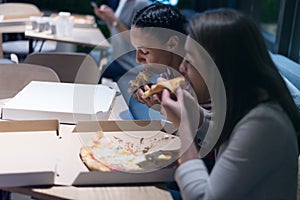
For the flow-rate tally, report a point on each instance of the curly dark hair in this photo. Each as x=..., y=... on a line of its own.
x=160, y=16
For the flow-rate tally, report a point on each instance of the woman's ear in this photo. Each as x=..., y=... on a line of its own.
x=172, y=44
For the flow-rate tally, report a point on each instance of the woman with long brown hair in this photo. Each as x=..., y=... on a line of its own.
x=257, y=150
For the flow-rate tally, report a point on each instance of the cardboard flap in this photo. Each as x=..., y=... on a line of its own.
x=119, y=177
x=119, y=125
x=29, y=125
x=27, y=178
x=30, y=152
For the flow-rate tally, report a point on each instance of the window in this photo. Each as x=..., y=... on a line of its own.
x=294, y=50
x=279, y=21
x=268, y=19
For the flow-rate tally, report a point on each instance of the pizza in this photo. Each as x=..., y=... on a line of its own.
x=105, y=155
x=141, y=79
x=171, y=85
x=114, y=153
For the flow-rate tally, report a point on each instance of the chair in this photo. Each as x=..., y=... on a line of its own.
x=14, y=77
x=71, y=67
x=19, y=10
x=14, y=11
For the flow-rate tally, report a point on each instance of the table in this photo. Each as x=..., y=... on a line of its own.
x=91, y=37
x=119, y=111
x=86, y=36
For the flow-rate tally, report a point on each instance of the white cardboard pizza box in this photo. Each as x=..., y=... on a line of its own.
x=28, y=152
x=66, y=102
x=36, y=154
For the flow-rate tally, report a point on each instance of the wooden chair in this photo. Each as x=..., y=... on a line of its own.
x=14, y=77
x=71, y=67
x=19, y=10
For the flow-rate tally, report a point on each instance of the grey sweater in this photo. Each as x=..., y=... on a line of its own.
x=260, y=161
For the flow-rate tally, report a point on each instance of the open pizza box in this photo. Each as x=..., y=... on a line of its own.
x=35, y=153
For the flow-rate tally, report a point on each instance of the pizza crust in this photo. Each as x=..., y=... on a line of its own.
x=171, y=85
x=91, y=163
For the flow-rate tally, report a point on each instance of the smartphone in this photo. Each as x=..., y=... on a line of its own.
x=93, y=4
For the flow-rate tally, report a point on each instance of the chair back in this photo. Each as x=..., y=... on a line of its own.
x=14, y=77
x=71, y=67
x=19, y=10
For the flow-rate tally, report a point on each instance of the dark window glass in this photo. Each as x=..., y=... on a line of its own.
x=269, y=18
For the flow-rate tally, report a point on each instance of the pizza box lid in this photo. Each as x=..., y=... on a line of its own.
x=74, y=172
x=25, y=156
x=67, y=102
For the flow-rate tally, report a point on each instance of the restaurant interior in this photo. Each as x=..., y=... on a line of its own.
x=53, y=55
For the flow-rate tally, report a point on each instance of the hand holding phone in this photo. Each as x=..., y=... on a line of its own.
x=93, y=4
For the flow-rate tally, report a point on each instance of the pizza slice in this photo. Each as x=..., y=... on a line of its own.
x=141, y=79
x=171, y=85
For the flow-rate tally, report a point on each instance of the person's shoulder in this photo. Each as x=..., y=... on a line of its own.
x=270, y=115
x=270, y=110
x=270, y=106
x=265, y=123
